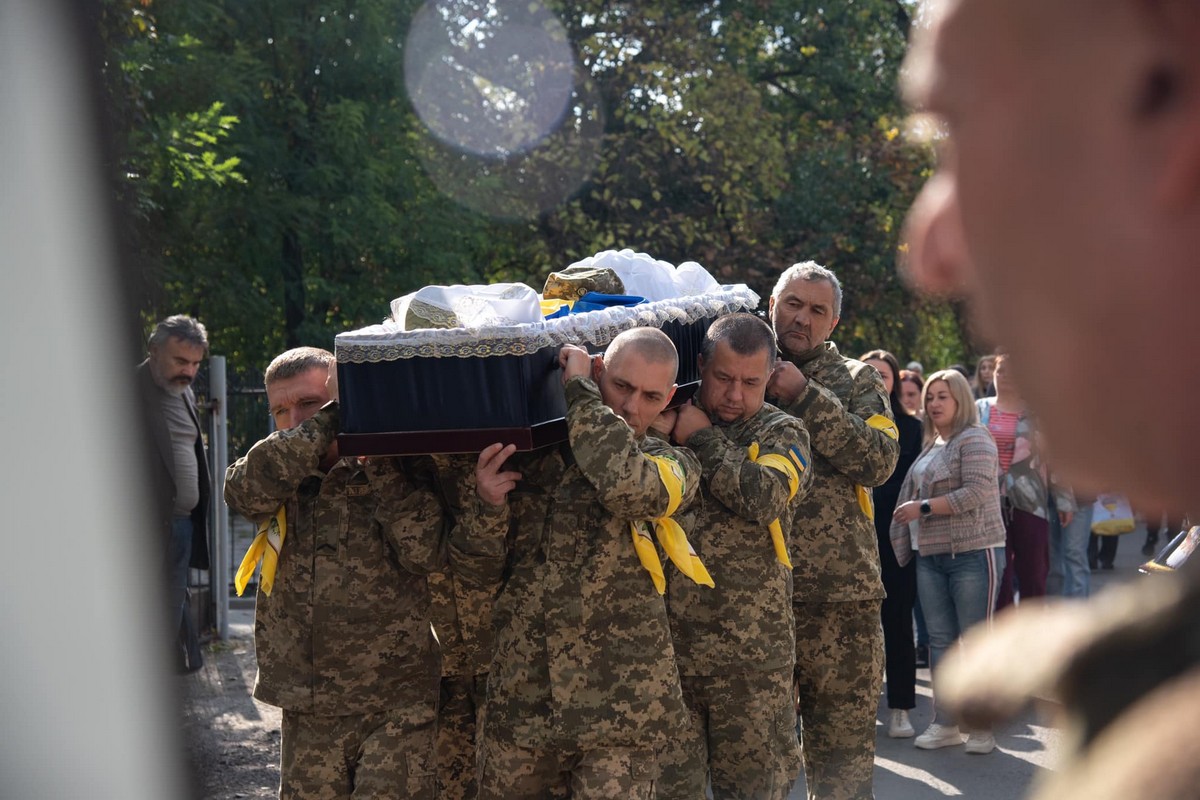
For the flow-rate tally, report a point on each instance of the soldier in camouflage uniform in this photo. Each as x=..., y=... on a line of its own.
x=735, y=643
x=839, y=641
x=342, y=639
x=583, y=689
x=462, y=621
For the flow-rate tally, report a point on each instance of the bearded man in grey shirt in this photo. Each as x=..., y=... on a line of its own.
x=179, y=469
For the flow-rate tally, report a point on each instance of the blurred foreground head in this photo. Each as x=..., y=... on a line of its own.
x=1066, y=209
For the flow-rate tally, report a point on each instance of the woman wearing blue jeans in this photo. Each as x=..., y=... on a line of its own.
x=948, y=517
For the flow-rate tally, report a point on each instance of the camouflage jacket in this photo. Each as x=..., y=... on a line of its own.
x=835, y=554
x=583, y=655
x=346, y=629
x=463, y=596
x=745, y=623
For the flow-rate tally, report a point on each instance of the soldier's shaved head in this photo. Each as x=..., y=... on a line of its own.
x=637, y=376
x=650, y=343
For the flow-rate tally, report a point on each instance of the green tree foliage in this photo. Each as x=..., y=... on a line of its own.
x=293, y=165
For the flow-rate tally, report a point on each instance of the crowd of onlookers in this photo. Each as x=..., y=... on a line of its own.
x=971, y=522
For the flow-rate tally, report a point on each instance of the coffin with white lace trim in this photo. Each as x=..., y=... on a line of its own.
x=459, y=389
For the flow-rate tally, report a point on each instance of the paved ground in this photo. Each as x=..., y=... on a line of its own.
x=234, y=740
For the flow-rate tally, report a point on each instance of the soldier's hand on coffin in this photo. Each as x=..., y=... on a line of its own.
x=691, y=419
x=331, y=384
x=491, y=484
x=575, y=362
x=786, y=382
x=664, y=423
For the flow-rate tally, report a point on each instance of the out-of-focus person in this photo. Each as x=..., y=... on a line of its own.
x=912, y=390
x=1070, y=574
x=1024, y=483
x=839, y=640
x=900, y=583
x=915, y=366
x=981, y=382
x=948, y=520
x=1067, y=198
x=179, y=466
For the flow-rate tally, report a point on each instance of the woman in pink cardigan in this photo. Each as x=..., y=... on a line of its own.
x=948, y=517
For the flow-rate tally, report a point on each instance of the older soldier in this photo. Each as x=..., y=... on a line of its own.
x=839, y=642
x=178, y=465
x=583, y=689
x=735, y=643
x=1072, y=164
x=341, y=626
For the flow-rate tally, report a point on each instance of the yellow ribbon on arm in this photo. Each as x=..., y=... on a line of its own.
x=266, y=545
x=672, y=537
x=647, y=553
x=788, y=466
x=880, y=423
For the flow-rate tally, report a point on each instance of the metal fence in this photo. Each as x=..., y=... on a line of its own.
x=233, y=417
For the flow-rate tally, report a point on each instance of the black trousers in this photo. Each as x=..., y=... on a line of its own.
x=900, y=658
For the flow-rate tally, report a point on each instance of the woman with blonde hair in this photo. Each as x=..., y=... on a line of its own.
x=948, y=518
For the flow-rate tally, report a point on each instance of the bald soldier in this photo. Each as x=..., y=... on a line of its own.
x=1072, y=164
x=736, y=642
x=839, y=642
x=583, y=689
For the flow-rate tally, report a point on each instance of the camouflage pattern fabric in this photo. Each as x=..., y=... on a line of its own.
x=742, y=738
x=839, y=674
x=583, y=656
x=463, y=595
x=735, y=643
x=462, y=600
x=362, y=756
x=460, y=717
x=346, y=629
x=601, y=773
x=837, y=583
x=834, y=552
x=574, y=282
x=745, y=622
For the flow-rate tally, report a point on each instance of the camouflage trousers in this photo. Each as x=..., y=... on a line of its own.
x=360, y=756
x=839, y=674
x=460, y=715
x=741, y=737
x=509, y=771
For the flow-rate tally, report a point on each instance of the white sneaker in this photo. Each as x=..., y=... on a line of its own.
x=936, y=736
x=899, y=727
x=980, y=742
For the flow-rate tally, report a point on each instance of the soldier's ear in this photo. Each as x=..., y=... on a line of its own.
x=670, y=394
x=597, y=367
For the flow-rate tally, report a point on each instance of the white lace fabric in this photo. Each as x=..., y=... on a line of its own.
x=386, y=342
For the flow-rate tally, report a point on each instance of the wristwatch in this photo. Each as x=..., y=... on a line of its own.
x=926, y=509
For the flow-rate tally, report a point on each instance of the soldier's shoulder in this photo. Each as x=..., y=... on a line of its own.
x=653, y=446
x=773, y=420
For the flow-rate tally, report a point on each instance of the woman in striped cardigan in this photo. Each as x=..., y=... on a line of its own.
x=948, y=516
